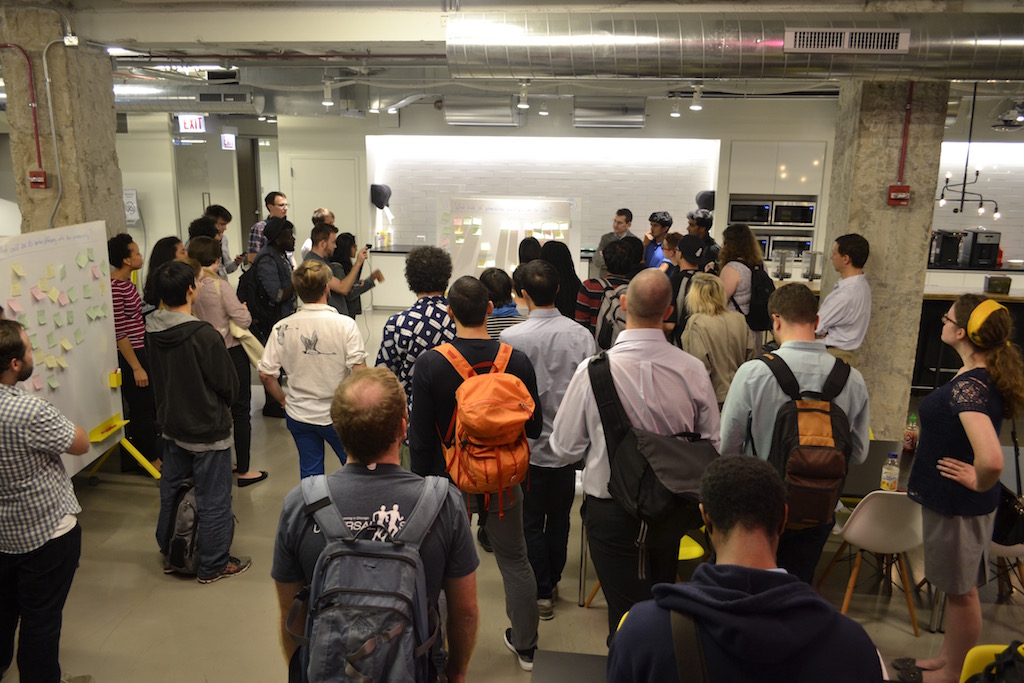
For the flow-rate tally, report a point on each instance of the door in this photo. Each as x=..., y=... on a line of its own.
x=327, y=183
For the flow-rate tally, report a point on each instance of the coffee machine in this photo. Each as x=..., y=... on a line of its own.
x=979, y=249
x=945, y=248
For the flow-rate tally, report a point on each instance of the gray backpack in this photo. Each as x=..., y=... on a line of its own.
x=611, y=319
x=182, y=553
x=367, y=616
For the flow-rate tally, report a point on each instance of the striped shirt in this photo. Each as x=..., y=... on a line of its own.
x=35, y=490
x=128, y=320
x=590, y=296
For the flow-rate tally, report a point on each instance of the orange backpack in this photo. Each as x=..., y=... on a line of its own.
x=486, y=450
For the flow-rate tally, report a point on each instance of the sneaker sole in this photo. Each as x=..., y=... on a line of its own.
x=523, y=664
x=547, y=617
x=224, y=576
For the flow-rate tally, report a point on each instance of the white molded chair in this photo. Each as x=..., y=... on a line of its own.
x=884, y=523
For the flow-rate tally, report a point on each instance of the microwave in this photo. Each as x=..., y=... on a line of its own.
x=750, y=211
x=796, y=214
x=796, y=244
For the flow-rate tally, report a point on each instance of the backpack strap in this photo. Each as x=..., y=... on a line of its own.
x=501, y=360
x=836, y=380
x=783, y=375
x=614, y=419
x=320, y=505
x=690, y=661
x=457, y=360
x=428, y=507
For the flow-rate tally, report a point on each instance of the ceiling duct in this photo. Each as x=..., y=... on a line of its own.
x=481, y=111
x=190, y=99
x=609, y=112
x=938, y=46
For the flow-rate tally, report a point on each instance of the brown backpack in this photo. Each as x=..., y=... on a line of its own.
x=485, y=449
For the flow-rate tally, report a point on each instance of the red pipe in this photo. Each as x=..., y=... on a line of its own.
x=31, y=99
x=906, y=131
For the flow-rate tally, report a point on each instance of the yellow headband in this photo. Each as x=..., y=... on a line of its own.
x=978, y=317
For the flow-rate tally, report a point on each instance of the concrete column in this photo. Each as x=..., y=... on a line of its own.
x=869, y=135
x=81, y=87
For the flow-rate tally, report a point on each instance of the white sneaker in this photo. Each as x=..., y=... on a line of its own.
x=525, y=657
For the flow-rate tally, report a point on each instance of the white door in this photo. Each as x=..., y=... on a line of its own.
x=328, y=183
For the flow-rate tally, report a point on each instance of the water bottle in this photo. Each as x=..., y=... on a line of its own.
x=891, y=473
x=910, y=435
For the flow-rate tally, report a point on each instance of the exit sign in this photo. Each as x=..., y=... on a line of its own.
x=191, y=123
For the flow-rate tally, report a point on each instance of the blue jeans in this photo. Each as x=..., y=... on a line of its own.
x=546, y=508
x=309, y=440
x=33, y=588
x=211, y=471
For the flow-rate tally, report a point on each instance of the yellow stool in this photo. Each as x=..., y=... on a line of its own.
x=981, y=656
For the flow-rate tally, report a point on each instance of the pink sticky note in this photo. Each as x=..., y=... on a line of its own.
x=96, y=275
x=37, y=382
x=63, y=299
x=38, y=293
x=14, y=305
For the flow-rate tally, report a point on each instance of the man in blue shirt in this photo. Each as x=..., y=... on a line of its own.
x=661, y=222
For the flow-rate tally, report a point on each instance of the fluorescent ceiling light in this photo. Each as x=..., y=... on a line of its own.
x=132, y=89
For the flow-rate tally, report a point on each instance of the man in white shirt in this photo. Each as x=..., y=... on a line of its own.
x=845, y=313
x=664, y=390
x=620, y=228
x=555, y=345
x=317, y=347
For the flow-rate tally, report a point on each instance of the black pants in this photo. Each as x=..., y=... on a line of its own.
x=546, y=506
x=626, y=575
x=140, y=410
x=799, y=551
x=240, y=408
x=33, y=589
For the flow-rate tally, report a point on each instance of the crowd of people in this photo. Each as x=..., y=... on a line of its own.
x=682, y=358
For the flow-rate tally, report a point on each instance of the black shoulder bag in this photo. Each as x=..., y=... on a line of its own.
x=1009, y=528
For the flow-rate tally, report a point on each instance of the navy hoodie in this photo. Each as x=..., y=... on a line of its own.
x=755, y=625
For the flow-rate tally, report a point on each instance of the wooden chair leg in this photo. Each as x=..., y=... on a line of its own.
x=831, y=565
x=1002, y=575
x=853, y=581
x=902, y=568
x=1020, y=572
x=593, y=593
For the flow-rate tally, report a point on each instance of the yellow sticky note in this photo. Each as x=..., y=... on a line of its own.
x=50, y=272
x=15, y=288
x=54, y=294
x=44, y=284
x=18, y=270
x=66, y=344
x=61, y=361
x=51, y=361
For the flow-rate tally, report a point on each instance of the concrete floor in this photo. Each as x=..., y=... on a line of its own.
x=125, y=621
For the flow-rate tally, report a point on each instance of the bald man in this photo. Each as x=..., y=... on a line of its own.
x=652, y=378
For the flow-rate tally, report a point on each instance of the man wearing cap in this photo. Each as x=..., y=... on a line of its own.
x=661, y=222
x=620, y=228
x=845, y=313
x=698, y=224
x=689, y=254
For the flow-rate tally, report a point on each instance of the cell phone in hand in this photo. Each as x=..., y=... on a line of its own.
x=369, y=246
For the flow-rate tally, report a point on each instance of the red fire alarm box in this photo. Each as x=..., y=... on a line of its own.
x=37, y=179
x=899, y=195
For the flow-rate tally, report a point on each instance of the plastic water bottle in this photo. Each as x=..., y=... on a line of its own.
x=910, y=434
x=891, y=473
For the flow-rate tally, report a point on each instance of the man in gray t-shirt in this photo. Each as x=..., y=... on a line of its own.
x=374, y=490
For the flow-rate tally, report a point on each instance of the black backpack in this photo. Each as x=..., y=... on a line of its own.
x=251, y=293
x=182, y=541
x=761, y=287
x=811, y=444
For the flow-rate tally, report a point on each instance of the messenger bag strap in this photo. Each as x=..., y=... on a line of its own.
x=836, y=380
x=783, y=375
x=614, y=420
x=1016, y=454
x=690, y=661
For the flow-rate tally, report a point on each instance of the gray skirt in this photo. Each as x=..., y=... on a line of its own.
x=956, y=550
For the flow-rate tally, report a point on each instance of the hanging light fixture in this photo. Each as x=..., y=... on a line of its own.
x=696, y=105
x=675, y=110
x=959, y=191
x=328, y=100
x=543, y=109
x=523, y=103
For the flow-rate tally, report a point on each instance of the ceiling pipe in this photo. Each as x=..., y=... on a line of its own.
x=872, y=46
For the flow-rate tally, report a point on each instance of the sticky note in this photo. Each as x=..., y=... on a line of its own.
x=52, y=381
x=62, y=271
x=72, y=294
x=91, y=256
x=33, y=340
x=79, y=337
x=54, y=294
x=96, y=273
x=103, y=267
x=86, y=292
x=63, y=299
x=81, y=259
x=51, y=361
x=23, y=319
x=44, y=284
x=63, y=362
x=50, y=272
x=456, y=221
x=41, y=317
x=18, y=270
x=66, y=344
x=91, y=312
x=106, y=310
x=103, y=287
x=16, y=288
x=38, y=293
x=71, y=318
x=14, y=305
x=58, y=319
x=37, y=382
x=51, y=340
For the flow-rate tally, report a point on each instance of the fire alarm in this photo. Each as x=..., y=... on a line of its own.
x=899, y=195
x=37, y=179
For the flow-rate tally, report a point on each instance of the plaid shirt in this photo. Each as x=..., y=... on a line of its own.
x=256, y=241
x=35, y=490
x=410, y=333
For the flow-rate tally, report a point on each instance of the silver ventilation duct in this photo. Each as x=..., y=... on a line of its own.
x=480, y=111
x=191, y=99
x=939, y=46
x=609, y=112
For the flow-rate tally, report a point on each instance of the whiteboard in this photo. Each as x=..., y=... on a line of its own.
x=57, y=284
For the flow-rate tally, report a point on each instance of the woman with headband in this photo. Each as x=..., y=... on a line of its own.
x=956, y=471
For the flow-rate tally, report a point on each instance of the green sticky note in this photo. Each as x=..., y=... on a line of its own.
x=41, y=317
x=105, y=310
x=103, y=267
x=70, y=319
x=58, y=319
x=23, y=319
x=33, y=340
x=51, y=340
x=62, y=271
x=86, y=292
x=52, y=381
x=81, y=259
x=79, y=337
x=72, y=294
x=91, y=256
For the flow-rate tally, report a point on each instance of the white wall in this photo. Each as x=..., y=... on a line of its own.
x=147, y=165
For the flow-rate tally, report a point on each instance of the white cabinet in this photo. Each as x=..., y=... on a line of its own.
x=777, y=168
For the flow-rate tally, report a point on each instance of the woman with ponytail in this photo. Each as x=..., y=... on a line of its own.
x=956, y=471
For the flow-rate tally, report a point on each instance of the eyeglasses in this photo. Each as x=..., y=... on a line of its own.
x=283, y=206
x=947, y=319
